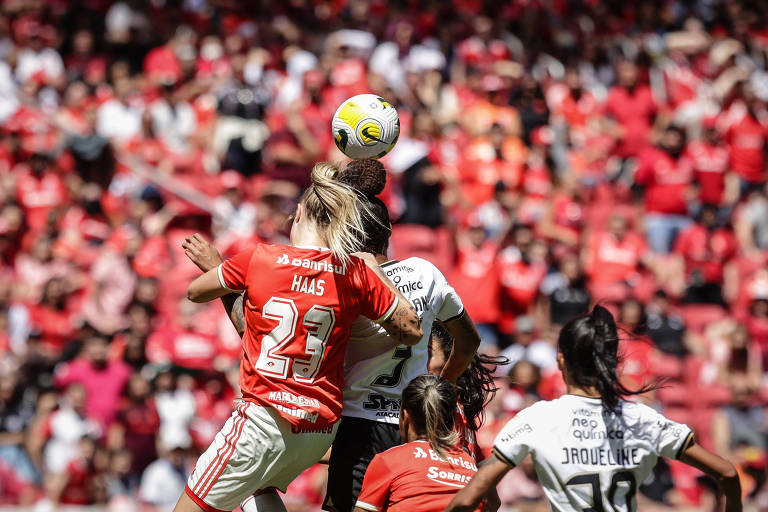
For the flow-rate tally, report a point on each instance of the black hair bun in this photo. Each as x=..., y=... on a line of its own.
x=367, y=176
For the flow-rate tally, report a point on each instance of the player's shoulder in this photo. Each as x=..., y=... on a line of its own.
x=413, y=449
x=637, y=413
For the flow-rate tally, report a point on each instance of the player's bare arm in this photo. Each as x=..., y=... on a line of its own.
x=403, y=324
x=488, y=475
x=203, y=254
x=466, y=340
x=719, y=469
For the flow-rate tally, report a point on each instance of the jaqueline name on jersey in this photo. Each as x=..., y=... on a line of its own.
x=601, y=456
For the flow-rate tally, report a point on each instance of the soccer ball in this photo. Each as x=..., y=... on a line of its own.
x=365, y=126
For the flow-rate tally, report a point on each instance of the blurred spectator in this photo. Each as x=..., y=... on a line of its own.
x=65, y=428
x=137, y=424
x=564, y=295
x=666, y=174
x=103, y=380
x=705, y=247
x=664, y=326
x=164, y=480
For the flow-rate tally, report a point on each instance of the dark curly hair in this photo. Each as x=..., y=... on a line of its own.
x=369, y=177
x=475, y=386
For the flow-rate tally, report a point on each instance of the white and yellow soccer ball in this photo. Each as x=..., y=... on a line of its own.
x=365, y=126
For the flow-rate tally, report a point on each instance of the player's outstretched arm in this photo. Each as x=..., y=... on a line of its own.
x=403, y=324
x=719, y=469
x=491, y=471
x=466, y=340
x=203, y=254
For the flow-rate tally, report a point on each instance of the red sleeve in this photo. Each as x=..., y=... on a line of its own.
x=644, y=174
x=232, y=273
x=376, y=486
x=682, y=243
x=378, y=302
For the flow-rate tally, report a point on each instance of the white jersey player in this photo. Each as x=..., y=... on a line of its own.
x=377, y=368
x=592, y=449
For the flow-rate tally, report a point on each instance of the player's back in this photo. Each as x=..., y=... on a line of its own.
x=413, y=477
x=376, y=368
x=299, y=308
x=587, y=459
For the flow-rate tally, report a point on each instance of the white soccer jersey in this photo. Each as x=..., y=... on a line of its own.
x=588, y=460
x=376, y=369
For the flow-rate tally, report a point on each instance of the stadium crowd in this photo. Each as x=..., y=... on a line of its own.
x=553, y=154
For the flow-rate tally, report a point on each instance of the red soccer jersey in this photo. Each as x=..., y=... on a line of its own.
x=666, y=180
x=299, y=308
x=614, y=260
x=412, y=477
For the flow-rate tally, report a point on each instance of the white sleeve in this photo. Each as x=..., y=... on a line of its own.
x=671, y=437
x=517, y=438
x=447, y=301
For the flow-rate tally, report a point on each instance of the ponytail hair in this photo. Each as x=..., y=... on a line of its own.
x=337, y=210
x=431, y=403
x=475, y=387
x=589, y=345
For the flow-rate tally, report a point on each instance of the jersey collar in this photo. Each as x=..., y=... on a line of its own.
x=313, y=247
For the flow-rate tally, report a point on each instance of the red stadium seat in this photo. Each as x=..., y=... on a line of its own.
x=698, y=316
x=431, y=244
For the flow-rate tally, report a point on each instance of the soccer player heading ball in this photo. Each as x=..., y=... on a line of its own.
x=592, y=449
x=300, y=303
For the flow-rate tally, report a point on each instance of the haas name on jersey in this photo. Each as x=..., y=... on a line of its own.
x=304, y=284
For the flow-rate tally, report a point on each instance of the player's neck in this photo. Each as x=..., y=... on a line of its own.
x=307, y=238
x=586, y=391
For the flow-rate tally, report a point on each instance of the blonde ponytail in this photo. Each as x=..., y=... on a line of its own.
x=431, y=402
x=337, y=210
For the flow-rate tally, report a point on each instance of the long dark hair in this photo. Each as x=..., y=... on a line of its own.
x=590, y=345
x=431, y=403
x=369, y=177
x=476, y=387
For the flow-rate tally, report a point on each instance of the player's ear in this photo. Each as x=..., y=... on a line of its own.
x=561, y=363
x=299, y=213
x=405, y=420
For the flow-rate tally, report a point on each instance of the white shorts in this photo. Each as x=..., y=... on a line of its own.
x=256, y=449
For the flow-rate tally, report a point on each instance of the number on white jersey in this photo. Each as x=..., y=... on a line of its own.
x=593, y=480
x=319, y=322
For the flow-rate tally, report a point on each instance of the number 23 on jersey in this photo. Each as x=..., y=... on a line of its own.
x=318, y=322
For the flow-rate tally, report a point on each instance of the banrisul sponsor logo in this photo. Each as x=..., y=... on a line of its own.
x=323, y=266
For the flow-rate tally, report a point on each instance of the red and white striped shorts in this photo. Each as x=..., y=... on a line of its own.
x=255, y=449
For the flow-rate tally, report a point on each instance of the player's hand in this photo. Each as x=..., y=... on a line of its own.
x=201, y=252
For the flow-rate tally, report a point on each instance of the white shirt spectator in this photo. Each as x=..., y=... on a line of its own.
x=67, y=427
x=9, y=100
x=162, y=484
x=385, y=61
x=48, y=61
x=176, y=410
x=117, y=120
x=173, y=123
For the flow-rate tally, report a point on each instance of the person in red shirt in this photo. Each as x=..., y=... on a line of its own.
x=706, y=247
x=476, y=270
x=39, y=190
x=745, y=134
x=666, y=175
x=426, y=472
x=710, y=164
x=613, y=259
x=300, y=303
x=632, y=105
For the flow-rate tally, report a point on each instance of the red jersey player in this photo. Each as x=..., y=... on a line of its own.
x=425, y=473
x=300, y=303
